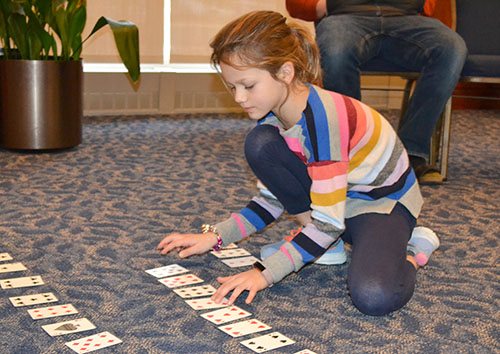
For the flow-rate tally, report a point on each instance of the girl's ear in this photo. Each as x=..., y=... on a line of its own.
x=287, y=72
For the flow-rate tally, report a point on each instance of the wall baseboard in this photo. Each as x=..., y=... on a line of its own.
x=112, y=93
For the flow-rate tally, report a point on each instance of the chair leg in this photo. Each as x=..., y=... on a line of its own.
x=406, y=98
x=436, y=143
x=440, y=142
x=445, y=141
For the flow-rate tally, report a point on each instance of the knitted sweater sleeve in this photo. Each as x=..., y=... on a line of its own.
x=328, y=197
x=261, y=211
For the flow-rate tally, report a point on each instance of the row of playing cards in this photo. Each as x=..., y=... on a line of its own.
x=230, y=319
x=82, y=345
x=238, y=257
x=234, y=257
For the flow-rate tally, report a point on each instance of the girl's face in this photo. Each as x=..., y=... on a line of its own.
x=254, y=89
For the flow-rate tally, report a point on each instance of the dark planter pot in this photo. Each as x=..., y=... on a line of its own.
x=40, y=104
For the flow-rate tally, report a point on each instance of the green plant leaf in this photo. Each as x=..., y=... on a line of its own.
x=34, y=43
x=7, y=8
x=126, y=36
x=62, y=31
x=44, y=7
x=17, y=24
x=30, y=29
x=39, y=40
x=72, y=5
x=76, y=27
x=4, y=36
x=49, y=43
x=76, y=47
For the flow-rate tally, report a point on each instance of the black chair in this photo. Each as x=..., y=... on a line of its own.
x=477, y=23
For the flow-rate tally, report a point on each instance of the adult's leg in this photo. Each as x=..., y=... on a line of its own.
x=345, y=42
x=380, y=279
x=425, y=45
x=278, y=168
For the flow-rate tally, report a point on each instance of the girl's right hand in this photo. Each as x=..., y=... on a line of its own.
x=188, y=244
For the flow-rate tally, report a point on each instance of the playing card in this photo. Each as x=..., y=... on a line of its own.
x=12, y=267
x=206, y=303
x=168, y=270
x=73, y=326
x=52, y=311
x=267, y=342
x=195, y=291
x=180, y=280
x=4, y=256
x=225, y=315
x=94, y=342
x=240, y=262
x=231, y=245
x=232, y=252
x=21, y=282
x=243, y=328
x=34, y=299
x=306, y=351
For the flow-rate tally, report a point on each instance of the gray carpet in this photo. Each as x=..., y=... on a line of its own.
x=88, y=220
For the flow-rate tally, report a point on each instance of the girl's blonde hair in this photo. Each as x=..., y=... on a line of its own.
x=263, y=39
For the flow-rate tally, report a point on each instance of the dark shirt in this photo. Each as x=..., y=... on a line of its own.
x=375, y=7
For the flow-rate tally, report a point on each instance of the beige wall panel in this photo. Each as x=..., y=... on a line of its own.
x=146, y=14
x=158, y=93
x=195, y=22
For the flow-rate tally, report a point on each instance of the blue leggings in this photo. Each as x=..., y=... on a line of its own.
x=380, y=279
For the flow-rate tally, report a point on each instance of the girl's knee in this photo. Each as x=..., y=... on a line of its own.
x=257, y=139
x=375, y=298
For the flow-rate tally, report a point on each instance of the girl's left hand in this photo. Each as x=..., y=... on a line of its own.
x=251, y=280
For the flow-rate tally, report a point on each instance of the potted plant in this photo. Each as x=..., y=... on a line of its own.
x=41, y=70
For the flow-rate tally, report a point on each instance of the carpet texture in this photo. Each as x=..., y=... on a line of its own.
x=88, y=221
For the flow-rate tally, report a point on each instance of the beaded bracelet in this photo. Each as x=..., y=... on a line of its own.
x=209, y=228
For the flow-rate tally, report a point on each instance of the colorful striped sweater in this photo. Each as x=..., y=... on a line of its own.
x=357, y=165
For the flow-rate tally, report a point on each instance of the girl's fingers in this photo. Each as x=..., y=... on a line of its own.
x=222, y=280
x=228, y=284
x=251, y=295
x=236, y=292
x=170, y=245
x=219, y=295
x=237, y=284
x=189, y=251
x=167, y=240
x=178, y=242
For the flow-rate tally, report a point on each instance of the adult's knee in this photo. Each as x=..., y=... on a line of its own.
x=457, y=54
x=450, y=52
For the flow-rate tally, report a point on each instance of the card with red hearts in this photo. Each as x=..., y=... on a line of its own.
x=243, y=328
x=225, y=315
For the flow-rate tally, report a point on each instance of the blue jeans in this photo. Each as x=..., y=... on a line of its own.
x=417, y=43
x=380, y=279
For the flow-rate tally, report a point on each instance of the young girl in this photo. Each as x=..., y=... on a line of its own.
x=329, y=160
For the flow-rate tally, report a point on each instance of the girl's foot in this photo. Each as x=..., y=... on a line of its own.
x=422, y=243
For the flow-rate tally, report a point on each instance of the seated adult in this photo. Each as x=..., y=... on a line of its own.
x=351, y=32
